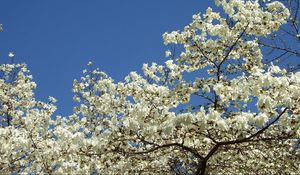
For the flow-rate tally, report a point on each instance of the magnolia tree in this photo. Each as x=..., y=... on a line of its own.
x=216, y=108
x=24, y=121
x=282, y=47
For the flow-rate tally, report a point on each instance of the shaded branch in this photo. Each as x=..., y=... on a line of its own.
x=171, y=145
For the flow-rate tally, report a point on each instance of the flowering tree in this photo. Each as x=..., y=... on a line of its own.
x=23, y=120
x=282, y=47
x=216, y=108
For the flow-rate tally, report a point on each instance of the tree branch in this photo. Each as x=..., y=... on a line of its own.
x=171, y=145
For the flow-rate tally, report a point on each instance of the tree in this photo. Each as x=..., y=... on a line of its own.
x=216, y=108
x=282, y=47
x=23, y=120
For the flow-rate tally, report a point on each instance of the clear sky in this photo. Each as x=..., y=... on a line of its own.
x=57, y=38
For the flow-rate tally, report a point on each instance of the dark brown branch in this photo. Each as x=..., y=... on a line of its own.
x=232, y=46
x=279, y=48
x=255, y=134
x=203, y=164
x=171, y=145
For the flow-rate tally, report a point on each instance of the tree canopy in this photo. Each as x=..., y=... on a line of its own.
x=221, y=104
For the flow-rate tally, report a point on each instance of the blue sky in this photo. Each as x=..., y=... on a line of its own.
x=57, y=38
